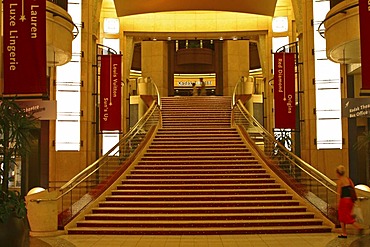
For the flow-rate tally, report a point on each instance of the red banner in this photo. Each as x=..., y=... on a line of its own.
x=110, y=92
x=364, y=11
x=284, y=90
x=24, y=46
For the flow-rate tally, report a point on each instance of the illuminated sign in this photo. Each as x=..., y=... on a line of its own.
x=284, y=90
x=188, y=82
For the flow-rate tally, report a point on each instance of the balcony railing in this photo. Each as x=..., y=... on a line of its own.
x=61, y=3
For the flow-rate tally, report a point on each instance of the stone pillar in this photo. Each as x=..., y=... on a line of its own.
x=264, y=48
x=154, y=63
x=88, y=136
x=235, y=63
x=308, y=126
x=128, y=49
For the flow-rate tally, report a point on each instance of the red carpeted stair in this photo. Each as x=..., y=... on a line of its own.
x=198, y=177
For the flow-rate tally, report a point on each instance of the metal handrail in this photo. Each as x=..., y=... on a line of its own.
x=75, y=34
x=233, y=102
x=135, y=128
x=308, y=182
x=150, y=80
x=282, y=147
x=157, y=92
x=94, y=167
x=342, y=11
x=86, y=172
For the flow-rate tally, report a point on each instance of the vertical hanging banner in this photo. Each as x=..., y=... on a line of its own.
x=284, y=90
x=364, y=12
x=24, y=23
x=110, y=92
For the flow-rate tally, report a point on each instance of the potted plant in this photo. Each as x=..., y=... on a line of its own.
x=15, y=132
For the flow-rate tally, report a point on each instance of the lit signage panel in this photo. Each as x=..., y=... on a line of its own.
x=24, y=54
x=110, y=92
x=284, y=90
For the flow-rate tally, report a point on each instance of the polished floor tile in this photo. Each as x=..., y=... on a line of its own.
x=273, y=240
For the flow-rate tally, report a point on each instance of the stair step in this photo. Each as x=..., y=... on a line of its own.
x=199, y=157
x=193, y=125
x=197, y=231
x=202, y=216
x=265, y=195
x=214, y=138
x=175, y=149
x=193, y=176
x=197, y=167
x=219, y=153
x=243, y=191
x=196, y=172
x=203, y=210
x=197, y=204
x=196, y=119
x=203, y=223
x=216, y=170
x=199, y=177
x=196, y=115
x=188, y=186
x=205, y=131
x=195, y=143
x=117, y=195
x=192, y=181
x=200, y=162
x=193, y=134
x=195, y=107
x=197, y=147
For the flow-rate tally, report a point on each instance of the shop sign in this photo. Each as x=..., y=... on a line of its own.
x=40, y=109
x=188, y=82
x=284, y=90
x=110, y=92
x=356, y=107
x=24, y=56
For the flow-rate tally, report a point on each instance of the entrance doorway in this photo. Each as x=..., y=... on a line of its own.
x=190, y=60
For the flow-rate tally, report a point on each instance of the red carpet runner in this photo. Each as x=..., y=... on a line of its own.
x=198, y=177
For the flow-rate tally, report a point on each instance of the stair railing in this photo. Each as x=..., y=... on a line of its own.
x=242, y=90
x=147, y=87
x=92, y=181
x=87, y=185
x=307, y=181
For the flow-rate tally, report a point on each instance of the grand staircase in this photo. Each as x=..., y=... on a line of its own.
x=198, y=177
